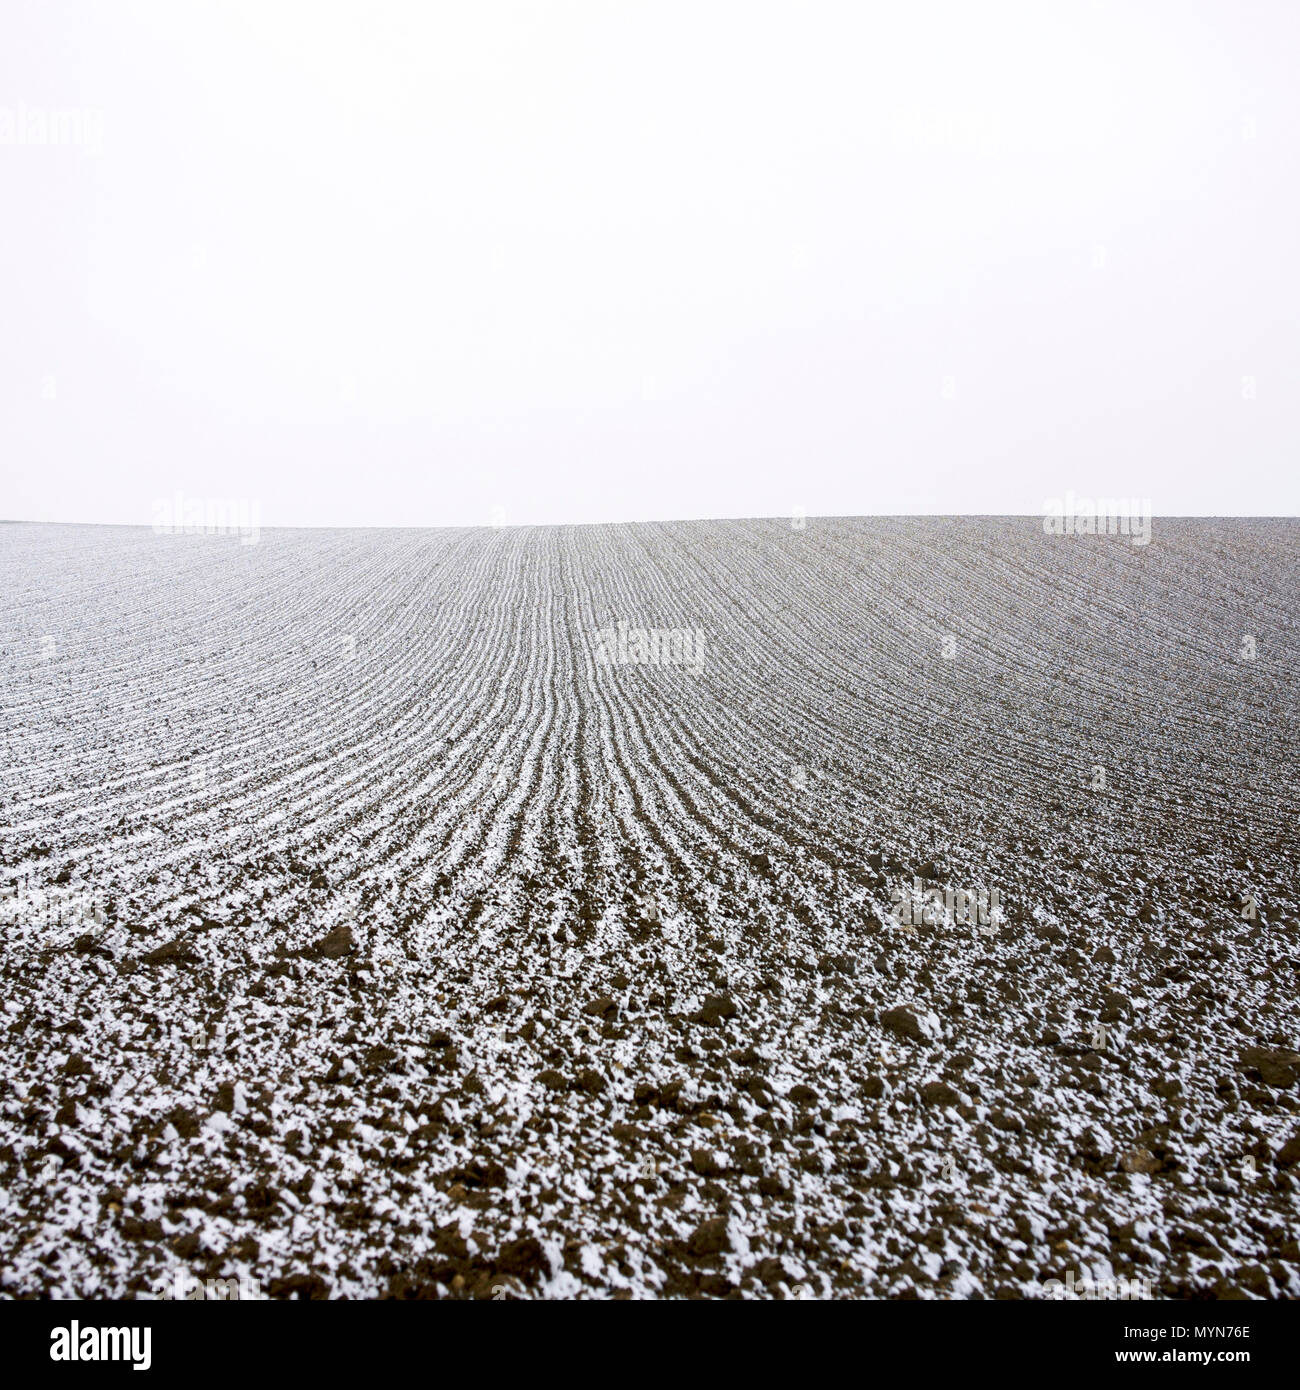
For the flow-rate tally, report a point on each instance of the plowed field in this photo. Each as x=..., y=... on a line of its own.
x=376, y=926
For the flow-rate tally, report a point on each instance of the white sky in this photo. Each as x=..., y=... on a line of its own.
x=375, y=264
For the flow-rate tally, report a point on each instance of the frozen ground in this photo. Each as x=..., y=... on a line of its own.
x=430, y=954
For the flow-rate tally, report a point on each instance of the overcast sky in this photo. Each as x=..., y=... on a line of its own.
x=423, y=264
